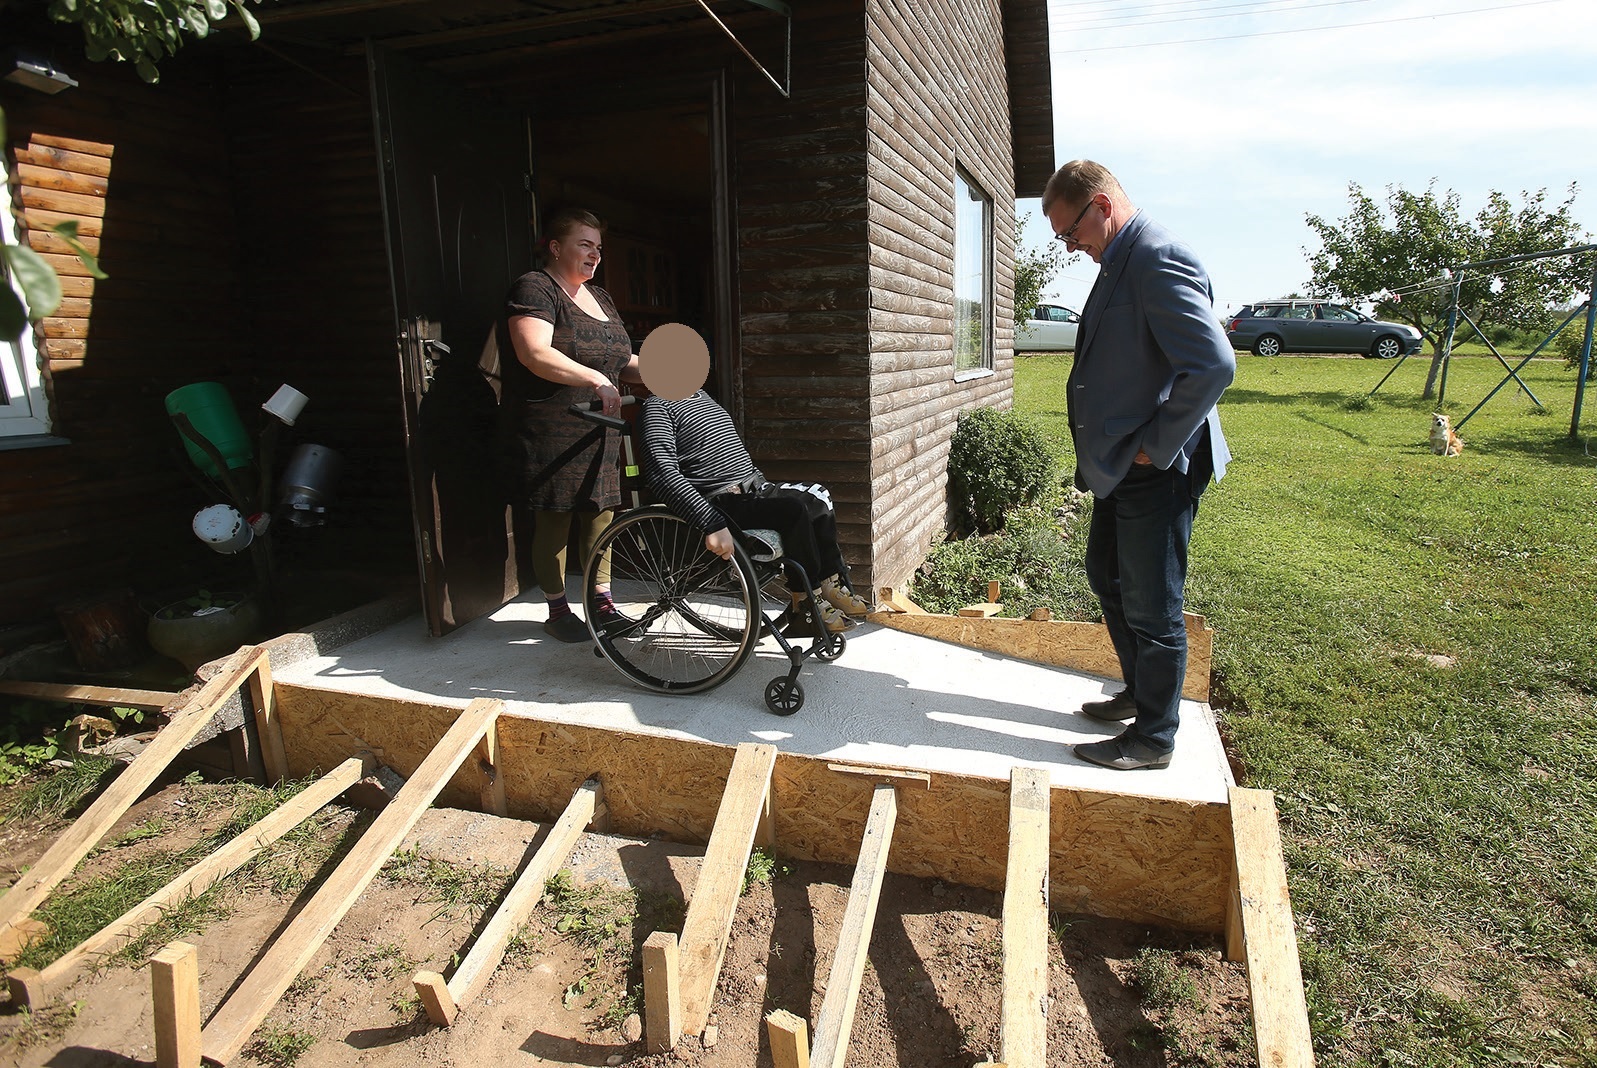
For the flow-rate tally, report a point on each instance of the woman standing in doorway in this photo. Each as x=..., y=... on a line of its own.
x=571, y=348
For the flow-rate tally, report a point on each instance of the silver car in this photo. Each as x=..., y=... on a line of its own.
x=1272, y=327
x=1051, y=328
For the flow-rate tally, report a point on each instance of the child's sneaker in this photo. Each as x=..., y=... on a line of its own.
x=844, y=599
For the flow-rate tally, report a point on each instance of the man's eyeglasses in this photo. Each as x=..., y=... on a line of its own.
x=1069, y=235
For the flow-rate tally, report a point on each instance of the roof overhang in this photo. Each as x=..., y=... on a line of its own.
x=1031, y=100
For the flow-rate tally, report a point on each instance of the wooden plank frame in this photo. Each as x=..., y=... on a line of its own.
x=836, y=1018
x=34, y=988
x=1144, y=859
x=662, y=991
x=444, y=1000
x=708, y=925
x=1123, y=856
x=175, y=992
x=1024, y=1020
x=790, y=1039
x=276, y=969
x=86, y=831
x=1268, y=935
x=1058, y=643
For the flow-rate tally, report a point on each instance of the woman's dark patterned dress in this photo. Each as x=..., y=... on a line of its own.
x=565, y=464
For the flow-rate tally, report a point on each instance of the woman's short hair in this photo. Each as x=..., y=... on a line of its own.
x=561, y=223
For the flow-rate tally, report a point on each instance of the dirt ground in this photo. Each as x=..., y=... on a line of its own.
x=1121, y=994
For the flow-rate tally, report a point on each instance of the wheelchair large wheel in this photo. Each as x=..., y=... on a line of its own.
x=690, y=619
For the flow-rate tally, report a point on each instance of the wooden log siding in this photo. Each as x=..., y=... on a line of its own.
x=136, y=167
x=295, y=290
x=315, y=264
x=938, y=96
x=803, y=284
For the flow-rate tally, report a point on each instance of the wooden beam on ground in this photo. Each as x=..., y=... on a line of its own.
x=662, y=992
x=898, y=601
x=489, y=949
x=1024, y=1030
x=715, y=896
x=836, y=1018
x=238, y=1017
x=1083, y=647
x=493, y=783
x=1269, y=936
x=267, y=727
x=103, y=696
x=902, y=775
x=436, y=998
x=87, y=830
x=175, y=990
x=790, y=1040
x=35, y=988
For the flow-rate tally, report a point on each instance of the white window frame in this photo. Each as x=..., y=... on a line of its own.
x=25, y=412
x=984, y=258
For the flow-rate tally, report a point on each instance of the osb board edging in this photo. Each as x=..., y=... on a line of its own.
x=1077, y=646
x=1121, y=856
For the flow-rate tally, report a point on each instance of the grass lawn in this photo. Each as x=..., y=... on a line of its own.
x=1406, y=653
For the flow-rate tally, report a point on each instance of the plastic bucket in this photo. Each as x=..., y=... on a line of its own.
x=210, y=411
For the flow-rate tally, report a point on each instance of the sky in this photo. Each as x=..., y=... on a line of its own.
x=1228, y=130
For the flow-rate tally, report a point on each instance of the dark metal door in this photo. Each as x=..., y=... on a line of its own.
x=457, y=202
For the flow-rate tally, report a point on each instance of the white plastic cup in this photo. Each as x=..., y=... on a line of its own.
x=222, y=528
x=286, y=403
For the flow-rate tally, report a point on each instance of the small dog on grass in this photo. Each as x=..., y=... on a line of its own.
x=1444, y=439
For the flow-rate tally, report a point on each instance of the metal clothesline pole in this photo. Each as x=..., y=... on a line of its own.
x=1585, y=356
x=1514, y=372
x=1452, y=326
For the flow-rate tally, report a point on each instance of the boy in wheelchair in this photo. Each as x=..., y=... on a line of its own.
x=699, y=468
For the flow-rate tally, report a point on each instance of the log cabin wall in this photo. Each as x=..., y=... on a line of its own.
x=938, y=98
x=319, y=307
x=140, y=168
x=803, y=270
x=239, y=218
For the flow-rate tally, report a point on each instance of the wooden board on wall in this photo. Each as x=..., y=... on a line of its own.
x=1058, y=643
x=1148, y=860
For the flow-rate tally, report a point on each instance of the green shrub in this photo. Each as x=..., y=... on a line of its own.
x=1036, y=559
x=998, y=462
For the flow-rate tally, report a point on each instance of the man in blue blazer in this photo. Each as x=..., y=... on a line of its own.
x=1151, y=362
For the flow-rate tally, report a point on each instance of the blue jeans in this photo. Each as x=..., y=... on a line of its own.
x=1137, y=565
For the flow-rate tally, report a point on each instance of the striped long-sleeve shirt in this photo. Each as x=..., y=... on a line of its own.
x=691, y=450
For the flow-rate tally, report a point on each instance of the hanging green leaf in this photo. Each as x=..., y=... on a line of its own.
x=35, y=277
x=68, y=232
x=13, y=316
x=249, y=20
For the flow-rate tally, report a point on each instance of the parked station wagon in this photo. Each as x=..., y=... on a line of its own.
x=1272, y=327
x=1049, y=328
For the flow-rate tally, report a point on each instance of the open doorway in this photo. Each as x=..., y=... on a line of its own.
x=648, y=162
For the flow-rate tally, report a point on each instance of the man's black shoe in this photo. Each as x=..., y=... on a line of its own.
x=1122, y=706
x=567, y=628
x=1124, y=753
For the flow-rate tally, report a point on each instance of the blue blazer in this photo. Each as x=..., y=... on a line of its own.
x=1151, y=361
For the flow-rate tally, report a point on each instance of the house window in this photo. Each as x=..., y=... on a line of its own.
x=22, y=404
x=973, y=276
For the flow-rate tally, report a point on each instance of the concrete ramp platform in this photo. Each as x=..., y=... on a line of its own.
x=894, y=698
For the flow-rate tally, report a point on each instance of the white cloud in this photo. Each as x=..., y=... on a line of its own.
x=1231, y=142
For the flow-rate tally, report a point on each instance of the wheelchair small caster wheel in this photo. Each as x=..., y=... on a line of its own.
x=598, y=652
x=784, y=696
x=830, y=649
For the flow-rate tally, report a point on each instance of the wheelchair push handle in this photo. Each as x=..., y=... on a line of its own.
x=592, y=414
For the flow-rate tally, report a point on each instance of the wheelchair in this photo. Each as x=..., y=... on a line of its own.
x=689, y=620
